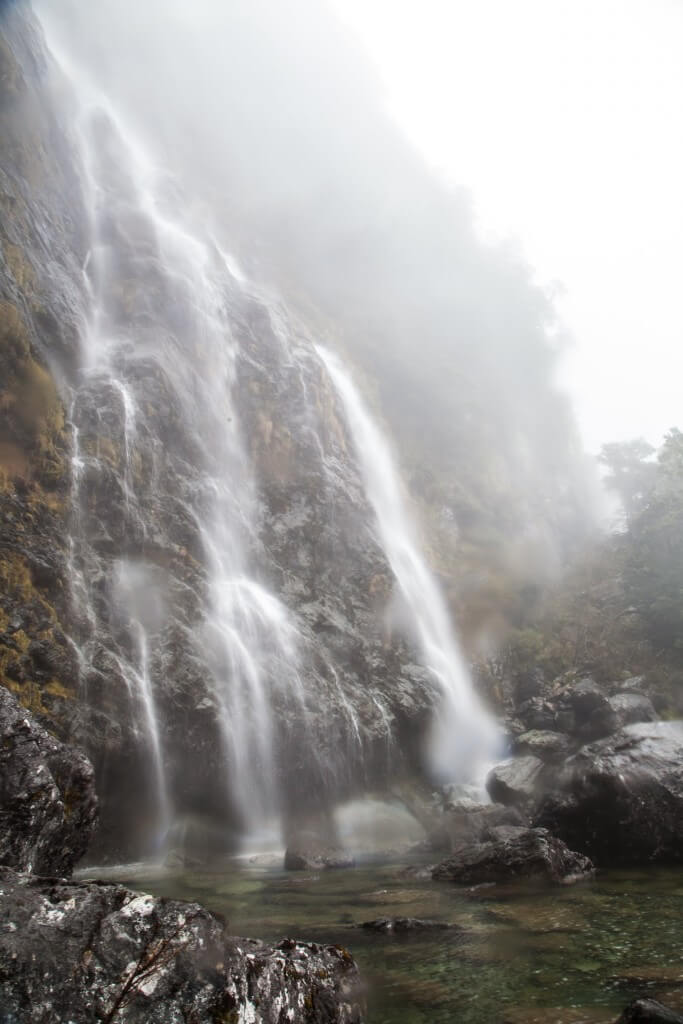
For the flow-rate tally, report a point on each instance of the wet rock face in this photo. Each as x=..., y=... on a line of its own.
x=42, y=248
x=321, y=552
x=97, y=952
x=48, y=806
x=119, y=505
x=510, y=853
x=620, y=800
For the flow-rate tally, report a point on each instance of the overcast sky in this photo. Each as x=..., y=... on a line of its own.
x=565, y=119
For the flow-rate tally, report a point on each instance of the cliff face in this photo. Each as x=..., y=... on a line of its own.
x=192, y=586
x=42, y=240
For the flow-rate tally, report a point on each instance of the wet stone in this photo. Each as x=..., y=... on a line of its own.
x=514, y=853
x=404, y=925
x=96, y=951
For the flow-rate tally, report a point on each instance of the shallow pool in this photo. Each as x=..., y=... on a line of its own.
x=521, y=953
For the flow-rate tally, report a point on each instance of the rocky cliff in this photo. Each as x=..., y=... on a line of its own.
x=193, y=587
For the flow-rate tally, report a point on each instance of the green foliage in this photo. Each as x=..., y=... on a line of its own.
x=619, y=612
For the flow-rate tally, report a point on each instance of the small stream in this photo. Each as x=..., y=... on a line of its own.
x=523, y=954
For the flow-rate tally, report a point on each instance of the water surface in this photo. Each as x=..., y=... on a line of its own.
x=525, y=953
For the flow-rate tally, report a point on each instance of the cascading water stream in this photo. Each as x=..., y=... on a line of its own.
x=464, y=737
x=175, y=319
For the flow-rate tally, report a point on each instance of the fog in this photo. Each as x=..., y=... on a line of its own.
x=559, y=116
x=272, y=119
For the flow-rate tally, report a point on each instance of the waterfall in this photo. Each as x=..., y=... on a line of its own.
x=464, y=737
x=231, y=558
x=162, y=296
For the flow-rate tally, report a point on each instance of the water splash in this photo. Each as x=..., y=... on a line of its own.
x=464, y=736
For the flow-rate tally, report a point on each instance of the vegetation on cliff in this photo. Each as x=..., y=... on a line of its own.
x=618, y=612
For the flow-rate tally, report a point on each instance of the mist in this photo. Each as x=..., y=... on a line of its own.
x=271, y=119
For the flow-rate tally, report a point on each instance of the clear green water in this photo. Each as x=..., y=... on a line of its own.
x=527, y=954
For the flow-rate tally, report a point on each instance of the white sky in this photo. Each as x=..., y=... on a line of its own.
x=565, y=119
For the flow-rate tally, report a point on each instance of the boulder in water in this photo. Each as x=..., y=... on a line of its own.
x=511, y=853
x=620, y=800
x=404, y=925
x=316, y=857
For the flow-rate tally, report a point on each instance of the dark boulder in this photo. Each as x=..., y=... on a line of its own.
x=48, y=805
x=528, y=684
x=649, y=1011
x=620, y=800
x=95, y=952
x=577, y=708
x=583, y=708
x=512, y=853
x=536, y=713
x=515, y=782
x=584, y=697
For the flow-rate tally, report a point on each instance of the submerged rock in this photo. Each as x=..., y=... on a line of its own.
x=48, y=805
x=620, y=800
x=401, y=925
x=96, y=952
x=510, y=853
x=316, y=858
x=649, y=1011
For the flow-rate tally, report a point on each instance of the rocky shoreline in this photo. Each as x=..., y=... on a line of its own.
x=93, y=951
x=591, y=775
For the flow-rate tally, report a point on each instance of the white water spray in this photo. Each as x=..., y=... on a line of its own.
x=464, y=736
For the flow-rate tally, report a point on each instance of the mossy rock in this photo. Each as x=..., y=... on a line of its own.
x=33, y=439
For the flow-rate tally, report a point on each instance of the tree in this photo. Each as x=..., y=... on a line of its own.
x=654, y=547
x=631, y=473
